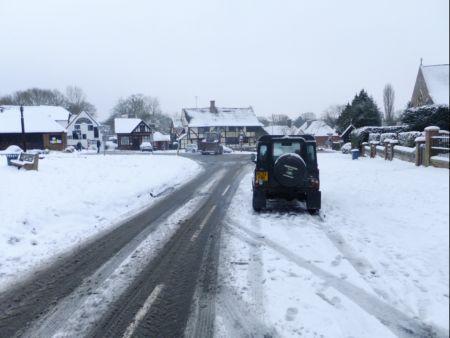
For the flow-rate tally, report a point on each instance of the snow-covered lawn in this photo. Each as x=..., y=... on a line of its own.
x=379, y=253
x=72, y=198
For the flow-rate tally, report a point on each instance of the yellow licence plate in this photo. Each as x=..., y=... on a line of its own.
x=262, y=176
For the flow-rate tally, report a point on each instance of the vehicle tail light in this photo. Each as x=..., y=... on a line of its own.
x=314, y=182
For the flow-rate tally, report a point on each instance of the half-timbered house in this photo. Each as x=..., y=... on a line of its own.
x=237, y=126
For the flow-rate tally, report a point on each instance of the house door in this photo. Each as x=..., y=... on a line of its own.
x=136, y=143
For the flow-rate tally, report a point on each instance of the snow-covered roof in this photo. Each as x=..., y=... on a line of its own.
x=280, y=130
x=177, y=123
x=56, y=113
x=125, y=125
x=437, y=81
x=36, y=120
x=317, y=128
x=160, y=137
x=223, y=117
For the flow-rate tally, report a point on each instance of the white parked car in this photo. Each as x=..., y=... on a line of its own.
x=227, y=150
x=191, y=148
x=110, y=145
x=146, y=146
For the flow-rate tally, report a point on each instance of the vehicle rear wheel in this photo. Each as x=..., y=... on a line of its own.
x=259, y=201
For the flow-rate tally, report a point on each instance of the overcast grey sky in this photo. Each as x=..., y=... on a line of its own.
x=285, y=56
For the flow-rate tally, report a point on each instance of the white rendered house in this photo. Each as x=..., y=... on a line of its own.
x=83, y=129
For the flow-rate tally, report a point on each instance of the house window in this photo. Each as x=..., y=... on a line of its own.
x=76, y=135
x=90, y=127
x=145, y=138
x=84, y=136
x=55, y=139
x=77, y=127
x=125, y=140
x=83, y=120
x=143, y=129
x=231, y=128
x=95, y=132
x=231, y=140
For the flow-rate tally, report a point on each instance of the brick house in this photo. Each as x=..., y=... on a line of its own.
x=131, y=132
x=321, y=131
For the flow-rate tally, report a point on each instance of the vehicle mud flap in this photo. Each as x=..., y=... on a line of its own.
x=259, y=200
x=313, y=200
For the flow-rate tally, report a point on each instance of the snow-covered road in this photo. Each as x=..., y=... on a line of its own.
x=72, y=198
x=375, y=264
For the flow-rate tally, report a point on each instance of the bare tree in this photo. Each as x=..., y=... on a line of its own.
x=140, y=106
x=265, y=121
x=388, y=100
x=332, y=113
x=281, y=120
x=34, y=97
x=76, y=101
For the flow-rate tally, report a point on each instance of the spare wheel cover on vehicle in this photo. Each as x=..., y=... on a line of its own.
x=289, y=170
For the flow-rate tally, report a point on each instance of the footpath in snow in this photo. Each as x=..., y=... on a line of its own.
x=373, y=265
x=72, y=198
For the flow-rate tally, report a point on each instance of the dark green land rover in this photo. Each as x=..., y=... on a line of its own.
x=286, y=168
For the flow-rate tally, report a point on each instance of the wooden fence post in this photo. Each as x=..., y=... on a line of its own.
x=429, y=133
x=386, y=148
x=373, y=148
x=392, y=144
x=420, y=141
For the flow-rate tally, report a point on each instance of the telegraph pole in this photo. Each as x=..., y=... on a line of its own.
x=24, y=143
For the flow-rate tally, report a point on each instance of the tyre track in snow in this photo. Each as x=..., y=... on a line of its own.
x=399, y=323
x=188, y=259
x=202, y=313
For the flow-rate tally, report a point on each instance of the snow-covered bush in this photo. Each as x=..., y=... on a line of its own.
x=387, y=136
x=421, y=117
x=407, y=139
x=374, y=137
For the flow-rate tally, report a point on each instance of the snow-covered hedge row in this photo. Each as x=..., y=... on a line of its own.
x=374, y=137
x=388, y=136
x=406, y=139
x=361, y=135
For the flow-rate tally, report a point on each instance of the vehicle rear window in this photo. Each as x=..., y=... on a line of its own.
x=311, y=153
x=262, y=152
x=285, y=147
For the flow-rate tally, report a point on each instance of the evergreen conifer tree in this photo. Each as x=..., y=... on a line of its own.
x=362, y=112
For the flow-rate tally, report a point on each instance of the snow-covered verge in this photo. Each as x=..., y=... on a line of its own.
x=72, y=198
x=375, y=264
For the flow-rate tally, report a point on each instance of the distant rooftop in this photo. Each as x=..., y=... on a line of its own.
x=125, y=125
x=221, y=117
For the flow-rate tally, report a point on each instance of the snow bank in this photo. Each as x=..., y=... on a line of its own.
x=404, y=237
x=379, y=255
x=74, y=197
